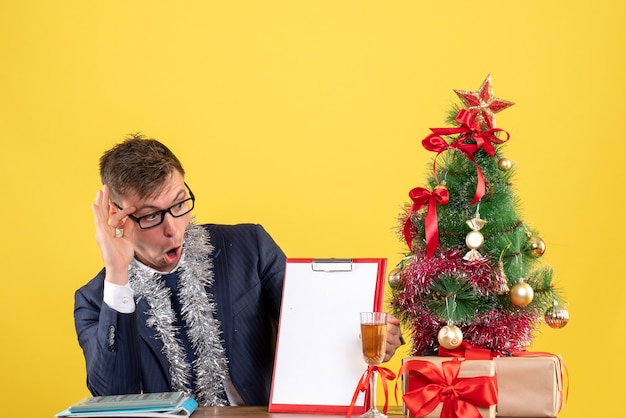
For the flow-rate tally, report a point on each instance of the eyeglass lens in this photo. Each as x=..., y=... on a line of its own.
x=156, y=218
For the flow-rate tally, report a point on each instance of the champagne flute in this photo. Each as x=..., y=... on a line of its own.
x=373, y=340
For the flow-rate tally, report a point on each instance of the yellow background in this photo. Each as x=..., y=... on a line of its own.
x=306, y=117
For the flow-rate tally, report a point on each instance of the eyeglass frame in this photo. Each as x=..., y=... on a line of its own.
x=163, y=212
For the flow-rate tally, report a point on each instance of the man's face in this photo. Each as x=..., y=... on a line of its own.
x=160, y=247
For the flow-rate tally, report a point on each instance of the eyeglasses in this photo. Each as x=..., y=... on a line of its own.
x=156, y=218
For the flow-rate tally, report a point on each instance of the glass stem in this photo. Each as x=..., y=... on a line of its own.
x=373, y=383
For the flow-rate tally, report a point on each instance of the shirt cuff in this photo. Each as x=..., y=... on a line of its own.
x=118, y=297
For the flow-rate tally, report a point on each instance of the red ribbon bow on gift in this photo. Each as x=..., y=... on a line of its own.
x=467, y=351
x=422, y=197
x=364, y=385
x=461, y=397
x=469, y=129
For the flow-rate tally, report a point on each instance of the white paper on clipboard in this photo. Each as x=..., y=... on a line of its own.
x=319, y=360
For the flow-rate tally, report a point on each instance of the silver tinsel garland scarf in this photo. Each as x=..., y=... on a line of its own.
x=198, y=310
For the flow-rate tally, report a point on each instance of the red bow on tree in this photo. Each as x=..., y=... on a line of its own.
x=469, y=129
x=461, y=397
x=423, y=197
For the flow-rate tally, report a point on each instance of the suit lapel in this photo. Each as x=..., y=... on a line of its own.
x=148, y=334
x=221, y=288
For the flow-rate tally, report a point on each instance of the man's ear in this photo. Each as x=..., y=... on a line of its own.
x=112, y=209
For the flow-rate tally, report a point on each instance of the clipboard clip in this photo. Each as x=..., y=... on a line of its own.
x=331, y=264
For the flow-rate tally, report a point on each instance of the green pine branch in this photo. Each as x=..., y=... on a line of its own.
x=452, y=298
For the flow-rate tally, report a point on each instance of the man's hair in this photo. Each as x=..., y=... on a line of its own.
x=138, y=166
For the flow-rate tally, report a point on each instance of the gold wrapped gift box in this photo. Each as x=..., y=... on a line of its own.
x=530, y=386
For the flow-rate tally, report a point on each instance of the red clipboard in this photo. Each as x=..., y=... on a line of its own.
x=318, y=360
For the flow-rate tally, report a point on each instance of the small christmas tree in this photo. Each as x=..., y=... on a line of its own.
x=472, y=272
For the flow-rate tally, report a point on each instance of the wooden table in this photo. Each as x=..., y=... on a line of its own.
x=261, y=411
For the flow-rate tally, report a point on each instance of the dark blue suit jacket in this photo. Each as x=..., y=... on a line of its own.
x=123, y=356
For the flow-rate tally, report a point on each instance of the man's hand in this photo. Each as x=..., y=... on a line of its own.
x=112, y=237
x=394, y=337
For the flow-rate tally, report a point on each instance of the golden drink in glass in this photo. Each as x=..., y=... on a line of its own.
x=374, y=341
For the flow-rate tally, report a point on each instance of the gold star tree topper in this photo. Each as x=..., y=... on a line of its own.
x=483, y=104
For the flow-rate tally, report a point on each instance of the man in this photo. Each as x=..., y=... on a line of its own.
x=177, y=306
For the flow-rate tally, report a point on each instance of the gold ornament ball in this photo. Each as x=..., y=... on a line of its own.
x=536, y=246
x=504, y=164
x=440, y=186
x=450, y=337
x=474, y=240
x=521, y=294
x=556, y=316
x=394, y=278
